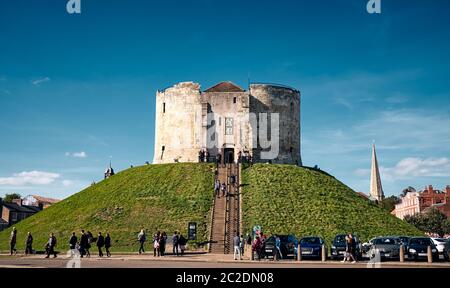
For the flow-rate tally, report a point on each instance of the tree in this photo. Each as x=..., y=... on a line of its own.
x=10, y=197
x=433, y=221
x=389, y=203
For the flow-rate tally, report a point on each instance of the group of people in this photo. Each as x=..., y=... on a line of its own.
x=82, y=245
x=85, y=242
x=242, y=157
x=245, y=157
x=258, y=245
x=159, y=242
x=203, y=156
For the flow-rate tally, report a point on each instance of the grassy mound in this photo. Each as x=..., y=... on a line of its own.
x=281, y=198
x=287, y=199
x=164, y=197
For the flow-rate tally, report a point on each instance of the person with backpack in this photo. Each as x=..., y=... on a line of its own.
x=29, y=244
x=100, y=244
x=108, y=245
x=50, y=246
x=142, y=237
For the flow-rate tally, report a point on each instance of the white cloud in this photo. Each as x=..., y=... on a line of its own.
x=81, y=154
x=411, y=168
x=40, y=81
x=29, y=178
x=67, y=183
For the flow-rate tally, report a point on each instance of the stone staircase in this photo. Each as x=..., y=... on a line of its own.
x=226, y=211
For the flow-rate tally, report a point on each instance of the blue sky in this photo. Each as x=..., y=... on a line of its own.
x=77, y=91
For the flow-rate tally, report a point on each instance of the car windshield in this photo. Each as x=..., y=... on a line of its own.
x=310, y=240
x=404, y=239
x=339, y=239
x=440, y=240
x=420, y=241
x=385, y=241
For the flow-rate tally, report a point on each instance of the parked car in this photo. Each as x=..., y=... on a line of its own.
x=338, y=247
x=288, y=246
x=387, y=247
x=447, y=250
x=441, y=246
x=418, y=248
x=312, y=247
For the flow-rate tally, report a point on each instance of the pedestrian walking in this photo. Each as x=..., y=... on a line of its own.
x=277, y=248
x=349, y=249
x=100, y=244
x=142, y=237
x=217, y=188
x=83, y=243
x=73, y=241
x=90, y=240
x=29, y=244
x=108, y=245
x=182, y=242
x=162, y=243
x=256, y=247
x=175, y=239
x=156, y=244
x=242, y=245
x=50, y=246
x=224, y=189
x=237, y=246
x=13, y=241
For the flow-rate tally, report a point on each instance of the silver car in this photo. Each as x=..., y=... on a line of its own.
x=385, y=248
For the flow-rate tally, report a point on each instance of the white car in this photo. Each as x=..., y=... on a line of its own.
x=440, y=244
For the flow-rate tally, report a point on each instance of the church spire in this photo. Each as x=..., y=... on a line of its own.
x=376, y=190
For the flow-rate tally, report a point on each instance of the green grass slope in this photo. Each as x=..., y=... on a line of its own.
x=280, y=198
x=287, y=199
x=164, y=197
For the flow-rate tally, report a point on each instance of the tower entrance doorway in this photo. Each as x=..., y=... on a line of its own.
x=228, y=154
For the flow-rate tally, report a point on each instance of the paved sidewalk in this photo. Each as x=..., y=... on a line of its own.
x=198, y=260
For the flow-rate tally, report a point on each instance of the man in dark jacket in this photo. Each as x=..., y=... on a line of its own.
x=83, y=243
x=107, y=245
x=50, y=246
x=73, y=241
x=175, y=243
x=100, y=244
x=29, y=244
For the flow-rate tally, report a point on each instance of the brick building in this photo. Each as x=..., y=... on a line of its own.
x=414, y=202
x=14, y=212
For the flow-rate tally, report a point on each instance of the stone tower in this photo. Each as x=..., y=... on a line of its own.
x=263, y=122
x=376, y=189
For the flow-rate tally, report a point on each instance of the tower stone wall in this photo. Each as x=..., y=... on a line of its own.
x=226, y=118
